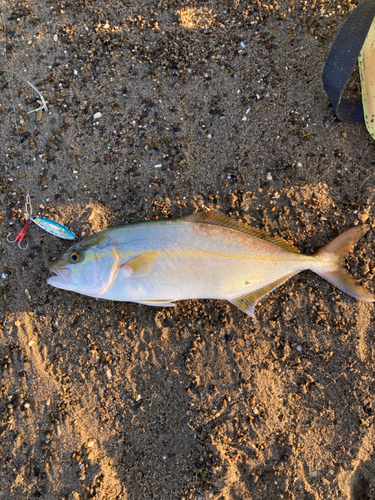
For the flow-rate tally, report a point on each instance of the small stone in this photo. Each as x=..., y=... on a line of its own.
x=51, y=145
x=97, y=115
x=90, y=443
x=363, y=217
x=269, y=176
x=159, y=165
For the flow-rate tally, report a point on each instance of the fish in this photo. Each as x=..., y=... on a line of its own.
x=204, y=255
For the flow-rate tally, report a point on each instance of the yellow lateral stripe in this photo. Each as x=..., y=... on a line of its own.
x=204, y=253
x=175, y=254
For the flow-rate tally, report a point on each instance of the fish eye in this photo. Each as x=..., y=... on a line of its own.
x=74, y=257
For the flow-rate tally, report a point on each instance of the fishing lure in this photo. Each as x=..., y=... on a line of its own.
x=53, y=227
x=49, y=225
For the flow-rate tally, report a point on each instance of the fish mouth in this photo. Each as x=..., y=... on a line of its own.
x=60, y=276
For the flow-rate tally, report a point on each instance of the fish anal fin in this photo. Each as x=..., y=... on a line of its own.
x=139, y=266
x=217, y=219
x=248, y=302
x=157, y=303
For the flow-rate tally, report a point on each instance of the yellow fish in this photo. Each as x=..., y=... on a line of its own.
x=202, y=256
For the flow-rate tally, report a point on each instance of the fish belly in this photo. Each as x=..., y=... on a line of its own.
x=223, y=279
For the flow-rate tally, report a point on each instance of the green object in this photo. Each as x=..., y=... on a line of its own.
x=341, y=60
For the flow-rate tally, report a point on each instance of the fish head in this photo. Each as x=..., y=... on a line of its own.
x=88, y=267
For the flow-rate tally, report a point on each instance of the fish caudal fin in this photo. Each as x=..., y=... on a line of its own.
x=334, y=254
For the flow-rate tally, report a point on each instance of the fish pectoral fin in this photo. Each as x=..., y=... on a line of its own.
x=218, y=219
x=248, y=302
x=139, y=266
x=157, y=303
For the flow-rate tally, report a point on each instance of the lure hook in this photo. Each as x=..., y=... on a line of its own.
x=20, y=236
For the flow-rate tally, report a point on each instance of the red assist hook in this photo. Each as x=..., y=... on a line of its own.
x=20, y=236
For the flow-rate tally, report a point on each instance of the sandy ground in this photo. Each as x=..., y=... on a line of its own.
x=120, y=401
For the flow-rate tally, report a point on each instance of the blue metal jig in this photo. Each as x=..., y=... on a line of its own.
x=54, y=228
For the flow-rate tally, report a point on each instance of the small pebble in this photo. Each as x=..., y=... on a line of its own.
x=269, y=176
x=97, y=115
x=158, y=165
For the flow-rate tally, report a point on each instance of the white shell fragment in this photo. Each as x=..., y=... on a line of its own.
x=97, y=115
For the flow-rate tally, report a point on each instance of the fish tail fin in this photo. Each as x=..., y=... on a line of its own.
x=335, y=253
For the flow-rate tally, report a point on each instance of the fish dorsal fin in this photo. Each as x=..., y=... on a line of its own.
x=248, y=302
x=217, y=219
